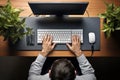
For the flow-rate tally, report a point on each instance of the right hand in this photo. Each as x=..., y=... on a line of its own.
x=75, y=47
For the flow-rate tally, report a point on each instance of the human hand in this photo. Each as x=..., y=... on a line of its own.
x=75, y=47
x=47, y=45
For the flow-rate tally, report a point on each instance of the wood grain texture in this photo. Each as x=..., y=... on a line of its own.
x=109, y=47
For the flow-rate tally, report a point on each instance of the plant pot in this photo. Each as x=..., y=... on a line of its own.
x=12, y=47
x=116, y=34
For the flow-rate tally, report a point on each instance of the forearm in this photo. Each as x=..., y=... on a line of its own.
x=84, y=64
x=36, y=66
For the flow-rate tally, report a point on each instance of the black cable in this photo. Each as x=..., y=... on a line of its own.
x=37, y=15
x=87, y=13
x=92, y=49
x=30, y=14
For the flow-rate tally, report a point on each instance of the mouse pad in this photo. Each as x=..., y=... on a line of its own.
x=88, y=24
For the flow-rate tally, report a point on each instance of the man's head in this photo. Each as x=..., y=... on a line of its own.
x=62, y=69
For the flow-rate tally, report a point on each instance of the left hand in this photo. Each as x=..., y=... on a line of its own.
x=47, y=45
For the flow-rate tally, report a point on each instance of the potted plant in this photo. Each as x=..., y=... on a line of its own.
x=12, y=27
x=111, y=21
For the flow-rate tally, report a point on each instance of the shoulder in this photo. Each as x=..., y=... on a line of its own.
x=45, y=77
x=39, y=77
x=86, y=77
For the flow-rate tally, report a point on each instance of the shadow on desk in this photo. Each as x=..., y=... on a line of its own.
x=16, y=68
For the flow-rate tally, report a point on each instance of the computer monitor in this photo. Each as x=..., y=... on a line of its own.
x=40, y=8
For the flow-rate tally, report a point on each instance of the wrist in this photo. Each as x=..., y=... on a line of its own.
x=44, y=53
x=78, y=53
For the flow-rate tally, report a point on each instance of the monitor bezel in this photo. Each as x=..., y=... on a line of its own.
x=32, y=5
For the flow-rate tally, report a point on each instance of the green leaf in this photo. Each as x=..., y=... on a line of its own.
x=23, y=20
x=103, y=15
x=105, y=30
x=117, y=28
x=29, y=30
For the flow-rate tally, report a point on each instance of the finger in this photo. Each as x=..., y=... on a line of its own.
x=77, y=38
x=73, y=38
x=47, y=38
x=53, y=45
x=51, y=39
x=68, y=45
x=44, y=38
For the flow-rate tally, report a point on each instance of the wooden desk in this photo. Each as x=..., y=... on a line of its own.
x=109, y=47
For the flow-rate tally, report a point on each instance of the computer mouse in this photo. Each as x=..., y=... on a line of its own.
x=91, y=36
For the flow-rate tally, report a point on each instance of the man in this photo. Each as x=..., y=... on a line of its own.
x=61, y=69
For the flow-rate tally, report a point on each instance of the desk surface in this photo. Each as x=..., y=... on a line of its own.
x=109, y=47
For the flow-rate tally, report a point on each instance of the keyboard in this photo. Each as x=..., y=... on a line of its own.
x=59, y=35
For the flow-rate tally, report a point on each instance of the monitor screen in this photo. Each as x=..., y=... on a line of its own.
x=39, y=8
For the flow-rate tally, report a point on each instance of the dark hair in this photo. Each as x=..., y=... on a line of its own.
x=62, y=69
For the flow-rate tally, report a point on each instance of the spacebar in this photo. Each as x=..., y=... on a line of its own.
x=61, y=41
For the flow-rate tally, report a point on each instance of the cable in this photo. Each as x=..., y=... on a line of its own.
x=87, y=13
x=92, y=49
x=37, y=15
x=30, y=14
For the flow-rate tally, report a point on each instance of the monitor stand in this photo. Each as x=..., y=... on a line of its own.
x=58, y=16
